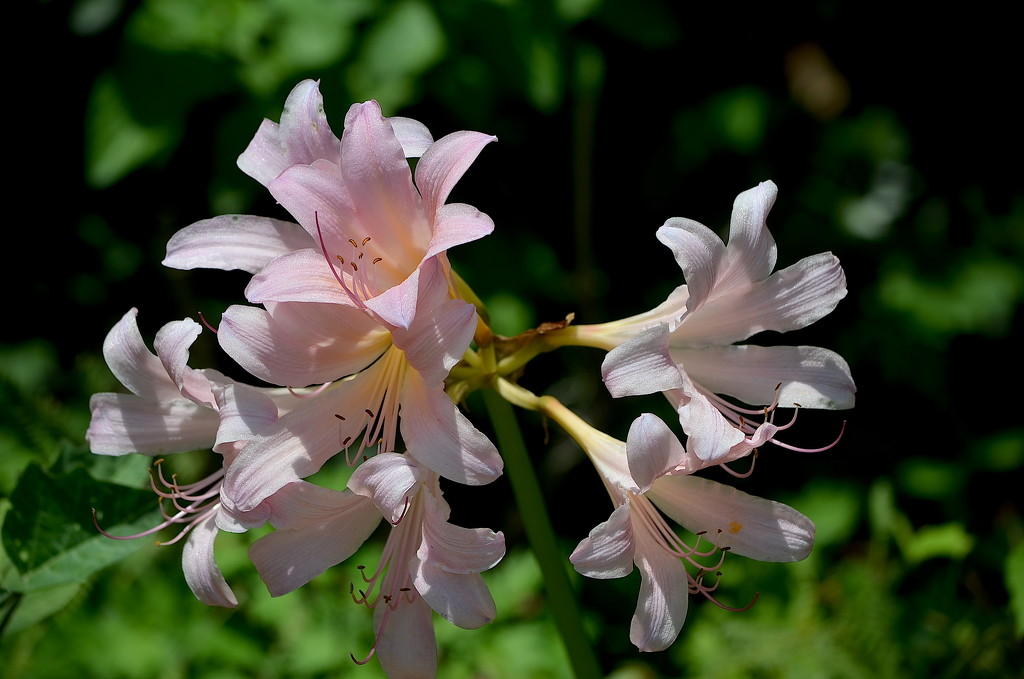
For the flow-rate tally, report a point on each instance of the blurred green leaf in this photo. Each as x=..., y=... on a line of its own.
x=117, y=142
x=1015, y=585
x=929, y=542
x=398, y=47
x=980, y=295
x=930, y=478
x=1003, y=451
x=835, y=509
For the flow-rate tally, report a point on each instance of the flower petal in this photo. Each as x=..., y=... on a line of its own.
x=388, y=479
x=455, y=224
x=295, y=446
x=641, y=365
x=711, y=435
x=461, y=599
x=663, y=600
x=456, y=549
x=125, y=423
x=317, y=528
x=379, y=181
x=244, y=412
x=751, y=526
x=652, y=450
x=699, y=252
x=751, y=253
x=301, y=343
x=302, y=137
x=133, y=364
x=787, y=300
x=608, y=551
x=300, y=276
x=172, y=343
x=811, y=377
x=437, y=340
x=413, y=135
x=406, y=646
x=441, y=437
x=234, y=242
x=200, y=567
x=444, y=163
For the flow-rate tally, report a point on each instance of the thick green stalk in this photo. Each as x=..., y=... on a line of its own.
x=532, y=509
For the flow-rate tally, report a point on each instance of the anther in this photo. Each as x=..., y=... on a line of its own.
x=366, y=240
x=378, y=259
x=340, y=417
x=368, y=412
x=353, y=241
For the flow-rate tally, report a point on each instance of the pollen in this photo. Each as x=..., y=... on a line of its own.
x=735, y=527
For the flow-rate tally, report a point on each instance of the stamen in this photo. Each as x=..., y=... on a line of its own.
x=206, y=323
x=812, y=450
x=341, y=281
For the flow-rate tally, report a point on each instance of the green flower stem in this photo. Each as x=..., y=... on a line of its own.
x=533, y=511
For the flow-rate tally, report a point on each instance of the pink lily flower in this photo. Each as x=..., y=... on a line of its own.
x=249, y=243
x=362, y=286
x=685, y=347
x=174, y=408
x=649, y=472
x=427, y=563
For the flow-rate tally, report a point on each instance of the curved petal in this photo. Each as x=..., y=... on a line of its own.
x=245, y=412
x=444, y=163
x=663, y=600
x=125, y=423
x=711, y=435
x=699, y=252
x=810, y=377
x=652, y=450
x=233, y=242
x=317, y=528
x=300, y=276
x=456, y=549
x=641, y=365
x=751, y=526
x=296, y=446
x=413, y=135
x=441, y=437
x=390, y=480
x=133, y=364
x=200, y=567
x=608, y=551
x=302, y=137
x=172, y=343
x=787, y=300
x=461, y=599
x=455, y=224
x=437, y=340
x=751, y=253
x=379, y=181
x=301, y=343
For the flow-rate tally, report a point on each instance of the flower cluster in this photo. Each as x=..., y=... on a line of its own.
x=357, y=317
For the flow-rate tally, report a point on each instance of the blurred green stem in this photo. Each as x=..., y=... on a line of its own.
x=530, y=503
